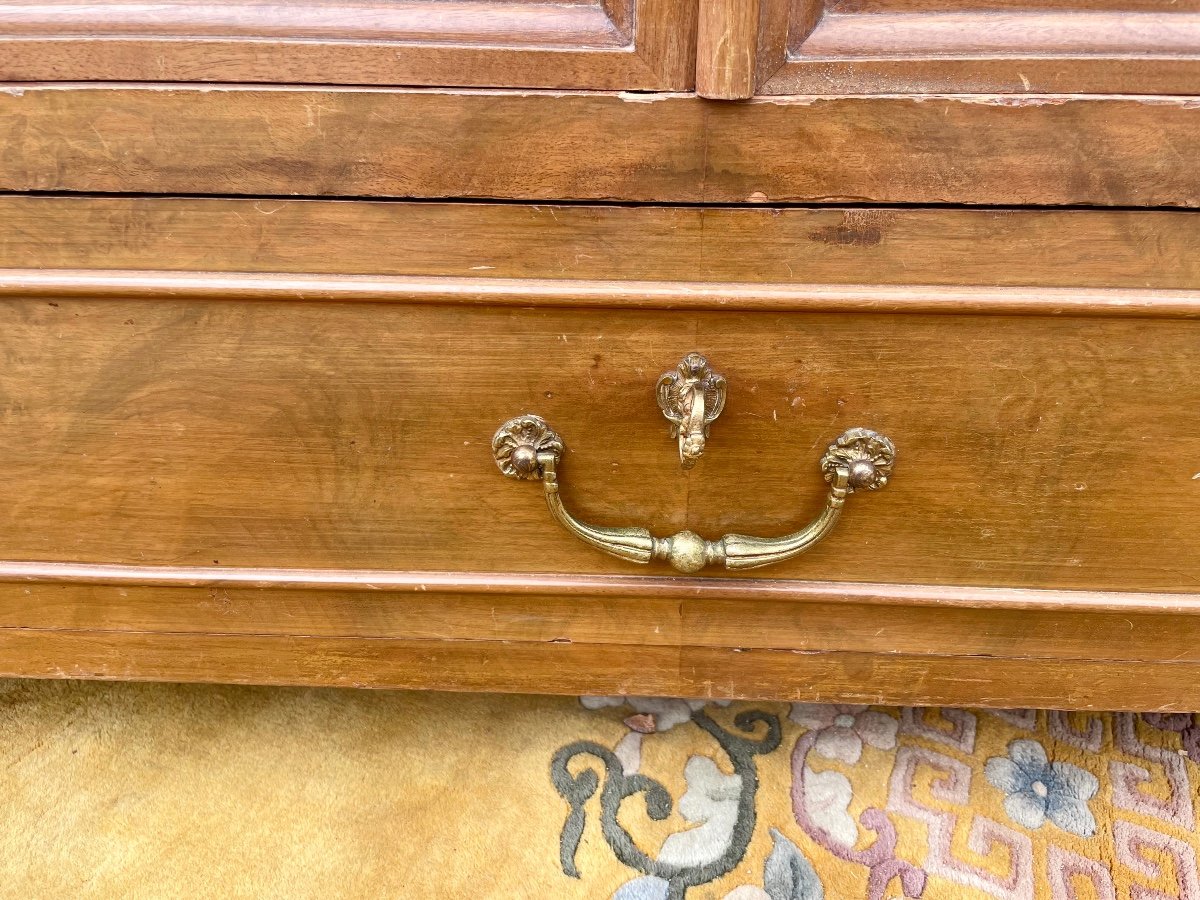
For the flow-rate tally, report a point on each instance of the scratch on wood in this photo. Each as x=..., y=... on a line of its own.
x=636, y=97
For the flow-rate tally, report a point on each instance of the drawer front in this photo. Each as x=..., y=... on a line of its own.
x=252, y=441
x=601, y=45
x=1032, y=451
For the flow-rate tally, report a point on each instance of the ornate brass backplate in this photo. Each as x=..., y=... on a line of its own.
x=691, y=398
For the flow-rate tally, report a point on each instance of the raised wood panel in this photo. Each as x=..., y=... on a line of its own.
x=1033, y=451
x=1009, y=46
x=665, y=149
x=611, y=45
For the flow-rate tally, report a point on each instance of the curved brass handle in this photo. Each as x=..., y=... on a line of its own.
x=526, y=447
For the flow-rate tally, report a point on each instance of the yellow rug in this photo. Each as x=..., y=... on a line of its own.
x=163, y=791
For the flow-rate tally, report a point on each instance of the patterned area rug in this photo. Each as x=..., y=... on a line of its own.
x=157, y=791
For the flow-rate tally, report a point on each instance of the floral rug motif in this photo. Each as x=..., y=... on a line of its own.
x=821, y=801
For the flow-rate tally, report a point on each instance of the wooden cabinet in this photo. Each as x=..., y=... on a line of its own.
x=642, y=45
x=722, y=48
x=272, y=278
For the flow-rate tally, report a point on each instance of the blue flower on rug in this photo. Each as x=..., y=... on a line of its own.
x=1038, y=789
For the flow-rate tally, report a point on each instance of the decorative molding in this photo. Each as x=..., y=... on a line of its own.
x=581, y=585
x=922, y=299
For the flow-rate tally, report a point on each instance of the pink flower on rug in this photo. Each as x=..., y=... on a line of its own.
x=844, y=729
x=652, y=714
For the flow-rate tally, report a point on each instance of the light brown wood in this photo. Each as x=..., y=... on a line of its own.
x=672, y=148
x=574, y=294
x=1144, y=250
x=1017, y=47
x=562, y=585
x=1034, y=452
x=346, y=525
x=249, y=439
x=652, y=611
x=727, y=49
x=1025, y=442
x=618, y=45
x=607, y=669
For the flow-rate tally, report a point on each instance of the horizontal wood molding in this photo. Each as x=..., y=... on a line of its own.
x=142, y=285
x=568, y=668
x=1097, y=33
x=571, y=585
x=979, y=149
x=1143, y=250
x=620, y=634
x=788, y=621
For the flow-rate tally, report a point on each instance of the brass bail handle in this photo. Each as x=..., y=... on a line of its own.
x=860, y=459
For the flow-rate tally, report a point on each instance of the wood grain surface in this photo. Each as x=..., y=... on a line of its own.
x=582, y=294
x=220, y=470
x=567, y=668
x=661, y=148
x=727, y=49
x=1010, y=46
x=1042, y=452
x=652, y=610
x=776, y=46
x=1106, y=249
x=617, y=45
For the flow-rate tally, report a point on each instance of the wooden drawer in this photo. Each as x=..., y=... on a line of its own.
x=1053, y=453
x=266, y=425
